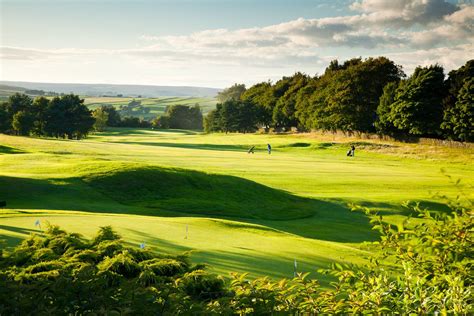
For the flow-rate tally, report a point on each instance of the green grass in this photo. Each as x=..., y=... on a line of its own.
x=244, y=212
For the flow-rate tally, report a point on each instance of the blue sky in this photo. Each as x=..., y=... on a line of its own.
x=218, y=42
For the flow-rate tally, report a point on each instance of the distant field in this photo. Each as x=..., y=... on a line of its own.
x=244, y=212
x=157, y=105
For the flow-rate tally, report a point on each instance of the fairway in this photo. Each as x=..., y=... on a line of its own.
x=242, y=212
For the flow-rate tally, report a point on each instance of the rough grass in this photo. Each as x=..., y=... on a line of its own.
x=244, y=212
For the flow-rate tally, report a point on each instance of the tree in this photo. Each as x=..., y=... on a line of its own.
x=346, y=97
x=181, y=117
x=455, y=81
x=459, y=120
x=161, y=122
x=5, y=118
x=418, y=108
x=261, y=95
x=232, y=93
x=113, y=117
x=23, y=122
x=39, y=108
x=286, y=90
x=101, y=118
x=212, y=120
x=232, y=116
x=67, y=116
x=19, y=102
x=384, y=124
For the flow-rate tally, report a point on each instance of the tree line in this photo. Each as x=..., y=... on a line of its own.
x=430, y=271
x=371, y=95
x=66, y=116
x=60, y=117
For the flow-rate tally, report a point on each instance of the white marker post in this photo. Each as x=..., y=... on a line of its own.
x=186, y=236
x=296, y=266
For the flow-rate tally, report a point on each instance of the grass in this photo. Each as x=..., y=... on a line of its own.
x=244, y=212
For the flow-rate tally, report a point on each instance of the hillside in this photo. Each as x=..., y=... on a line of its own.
x=113, y=89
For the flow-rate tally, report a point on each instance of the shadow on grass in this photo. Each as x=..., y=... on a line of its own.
x=10, y=150
x=125, y=131
x=241, y=148
x=13, y=240
x=243, y=260
x=179, y=192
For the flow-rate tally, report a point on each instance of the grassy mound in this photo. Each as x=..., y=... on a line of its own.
x=199, y=193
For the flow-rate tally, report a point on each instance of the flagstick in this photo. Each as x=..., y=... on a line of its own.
x=295, y=273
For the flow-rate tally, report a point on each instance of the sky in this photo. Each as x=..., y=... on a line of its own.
x=215, y=43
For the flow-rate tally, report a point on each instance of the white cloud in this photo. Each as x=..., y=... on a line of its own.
x=404, y=13
x=416, y=32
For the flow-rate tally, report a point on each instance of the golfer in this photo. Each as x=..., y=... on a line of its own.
x=269, y=147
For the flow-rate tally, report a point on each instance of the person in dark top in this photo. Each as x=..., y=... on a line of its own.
x=269, y=147
x=353, y=149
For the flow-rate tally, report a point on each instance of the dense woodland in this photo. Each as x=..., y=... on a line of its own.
x=371, y=95
x=60, y=273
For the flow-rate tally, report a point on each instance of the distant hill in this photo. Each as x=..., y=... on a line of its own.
x=115, y=89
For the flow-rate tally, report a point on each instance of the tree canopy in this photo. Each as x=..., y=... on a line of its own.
x=180, y=117
x=64, y=116
x=232, y=93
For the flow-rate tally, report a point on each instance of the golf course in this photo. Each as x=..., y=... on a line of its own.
x=178, y=191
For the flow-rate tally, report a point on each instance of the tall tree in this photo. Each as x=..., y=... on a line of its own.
x=212, y=120
x=286, y=90
x=418, y=108
x=5, y=118
x=23, y=122
x=456, y=80
x=346, y=97
x=459, y=120
x=182, y=117
x=39, y=108
x=67, y=116
x=261, y=95
x=384, y=123
x=232, y=116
